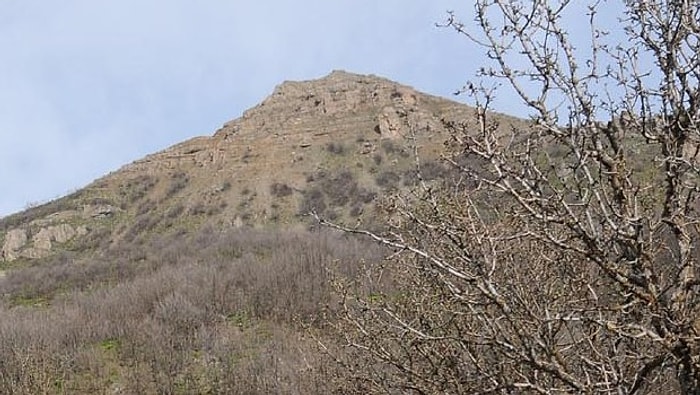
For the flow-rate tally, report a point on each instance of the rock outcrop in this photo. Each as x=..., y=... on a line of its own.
x=305, y=114
x=15, y=239
x=38, y=237
x=59, y=234
x=99, y=211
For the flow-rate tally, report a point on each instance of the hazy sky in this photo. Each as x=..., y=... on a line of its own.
x=88, y=86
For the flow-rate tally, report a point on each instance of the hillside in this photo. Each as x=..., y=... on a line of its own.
x=333, y=145
x=197, y=269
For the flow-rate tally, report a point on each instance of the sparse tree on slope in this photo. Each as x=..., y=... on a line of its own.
x=562, y=257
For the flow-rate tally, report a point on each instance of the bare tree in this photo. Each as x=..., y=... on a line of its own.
x=562, y=257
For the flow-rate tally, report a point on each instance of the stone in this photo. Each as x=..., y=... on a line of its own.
x=62, y=233
x=81, y=230
x=98, y=211
x=34, y=253
x=15, y=239
x=42, y=240
x=390, y=123
x=58, y=233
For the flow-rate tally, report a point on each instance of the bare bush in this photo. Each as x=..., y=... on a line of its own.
x=340, y=188
x=178, y=182
x=135, y=189
x=387, y=179
x=313, y=201
x=428, y=170
x=280, y=190
x=207, y=313
x=335, y=148
x=565, y=267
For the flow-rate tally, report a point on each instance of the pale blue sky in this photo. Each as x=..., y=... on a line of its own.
x=87, y=86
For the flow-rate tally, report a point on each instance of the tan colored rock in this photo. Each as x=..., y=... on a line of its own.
x=15, y=239
x=59, y=233
x=34, y=253
x=63, y=233
x=305, y=114
x=42, y=240
x=390, y=123
x=99, y=211
x=81, y=231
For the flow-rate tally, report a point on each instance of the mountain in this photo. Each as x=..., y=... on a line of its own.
x=334, y=145
x=197, y=269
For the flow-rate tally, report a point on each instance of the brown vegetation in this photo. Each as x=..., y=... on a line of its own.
x=211, y=313
x=563, y=265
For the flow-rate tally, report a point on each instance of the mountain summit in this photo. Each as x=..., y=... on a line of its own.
x=331, y=145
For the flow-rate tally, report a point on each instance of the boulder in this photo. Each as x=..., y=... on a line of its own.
x=15, y=239
x=99, y=211
x=58, y=233
x=390, y=123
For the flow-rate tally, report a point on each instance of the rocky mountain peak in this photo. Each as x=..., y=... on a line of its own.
x=339, y=95
x=348, y=89
x=331, y=144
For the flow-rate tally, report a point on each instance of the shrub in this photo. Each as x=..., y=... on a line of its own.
x=178, y=182
x=387, y=179
x=335, y=148
x=280, y=190
x=313, y=201
x=389, y=147
x=136, y=188
x=341, y=188
x=205, y=313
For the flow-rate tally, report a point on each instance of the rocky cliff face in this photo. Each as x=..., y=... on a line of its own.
x=332, y=145
x=301, y=114
x=38, y=237
x=340, y=102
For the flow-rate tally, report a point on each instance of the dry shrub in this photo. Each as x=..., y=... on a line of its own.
x=205, y=313
x=280, y=190
x=387, y=179
x=335, y=148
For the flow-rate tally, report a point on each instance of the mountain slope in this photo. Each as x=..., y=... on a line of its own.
x=332, y=145
x=191, y=271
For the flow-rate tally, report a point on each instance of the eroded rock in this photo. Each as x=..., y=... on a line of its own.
x=59, y=233
x=34, y=253
x=99, y=211
x=390, y=123
x=81, y=230
x=15, y=239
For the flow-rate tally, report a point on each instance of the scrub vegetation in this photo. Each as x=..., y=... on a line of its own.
x=205, y=313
